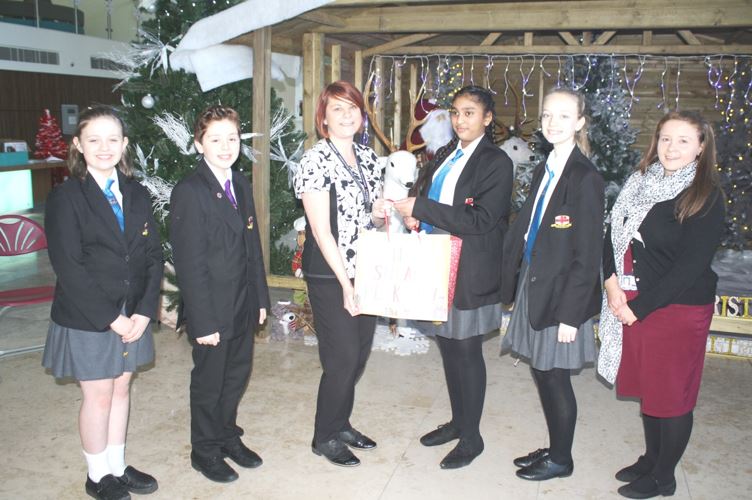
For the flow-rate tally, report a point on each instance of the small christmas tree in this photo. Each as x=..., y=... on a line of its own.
x=734, y=145
x=610, y=133
x=49, y=140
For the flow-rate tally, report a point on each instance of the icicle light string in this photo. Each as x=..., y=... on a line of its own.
x=678, y=76
x=732, y=91
x=433, y=73
x=631, y=86
x=714, y=77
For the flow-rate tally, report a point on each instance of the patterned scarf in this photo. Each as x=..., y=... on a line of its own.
x=637, y=197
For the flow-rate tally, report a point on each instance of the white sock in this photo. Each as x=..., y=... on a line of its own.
x=98, y=465
x=116, y=458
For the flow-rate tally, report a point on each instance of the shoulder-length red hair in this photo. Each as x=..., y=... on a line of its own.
x=344, y=91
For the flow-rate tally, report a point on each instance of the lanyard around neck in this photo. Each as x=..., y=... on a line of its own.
x=357, y=175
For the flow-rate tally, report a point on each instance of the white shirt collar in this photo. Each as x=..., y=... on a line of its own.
x=101, y=180
x=222, y=174
x=469, y=149
x=557, y=161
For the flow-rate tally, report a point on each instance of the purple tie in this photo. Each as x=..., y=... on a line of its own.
x=230, y=197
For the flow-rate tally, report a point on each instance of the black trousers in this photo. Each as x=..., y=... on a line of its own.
x=465, y=372
x=344, y=346
x=218, y=380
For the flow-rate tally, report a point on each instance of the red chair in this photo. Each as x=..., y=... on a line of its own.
x=18, y=236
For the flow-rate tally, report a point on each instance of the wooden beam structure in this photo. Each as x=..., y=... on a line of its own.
x=548, y=15
x=490, y=39
x=568, y=38
x=336, y=62
x=313, y=82
x=679, y=50
x=322, y=17
x=397, y=43
x=261, y=123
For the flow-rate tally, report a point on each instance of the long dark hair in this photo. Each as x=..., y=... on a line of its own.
x=76, y=162
x=481, y=96
x=706, y=180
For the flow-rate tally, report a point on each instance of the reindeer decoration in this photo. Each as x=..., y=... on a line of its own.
x=512, y=139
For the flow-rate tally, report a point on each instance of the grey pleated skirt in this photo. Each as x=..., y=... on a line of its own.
x=462, y=324
x=542, y=347
x=85, y=355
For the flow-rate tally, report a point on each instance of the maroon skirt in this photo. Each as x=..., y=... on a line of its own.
x=662, y=358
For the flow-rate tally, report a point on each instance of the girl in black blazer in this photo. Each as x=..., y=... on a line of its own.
x=465, y=191
x=105, y=249
x=220, y=271
x=552, y=257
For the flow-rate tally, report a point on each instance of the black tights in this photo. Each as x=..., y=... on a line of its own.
x=560, y=409
x=465, y=372
x=665, y=442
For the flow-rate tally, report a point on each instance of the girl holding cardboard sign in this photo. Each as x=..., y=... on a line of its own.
x=465, y=191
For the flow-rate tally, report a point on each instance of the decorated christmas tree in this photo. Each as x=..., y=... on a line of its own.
x=734, y=146
x=609, y=104
x=49, y=140
x=160, y=107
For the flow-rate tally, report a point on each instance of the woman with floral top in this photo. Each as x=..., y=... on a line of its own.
x=339, y=182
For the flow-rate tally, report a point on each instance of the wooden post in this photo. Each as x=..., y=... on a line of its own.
x=358, y=70
x=397, y=135
x=261, y=123
x=379, y=108
x=313, y=82
x=336, y=62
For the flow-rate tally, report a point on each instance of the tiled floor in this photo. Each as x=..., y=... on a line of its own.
x=398, y=399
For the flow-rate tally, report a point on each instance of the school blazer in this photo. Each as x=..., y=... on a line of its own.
x=99, y=268
x=217, y=254
x=564, y=276
x=479, y=216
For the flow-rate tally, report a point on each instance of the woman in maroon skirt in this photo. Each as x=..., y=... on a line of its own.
x=659, y=292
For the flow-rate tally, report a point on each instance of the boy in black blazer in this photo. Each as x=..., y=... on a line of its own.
x=219, y=266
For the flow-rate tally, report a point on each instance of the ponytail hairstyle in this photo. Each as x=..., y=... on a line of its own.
x=581, y=136
x=76, y=162
x=706, y=180
x=481, y=96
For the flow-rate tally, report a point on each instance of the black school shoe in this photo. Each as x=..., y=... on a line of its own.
x=214, y=468
x=531, y=457
x=462, y=454
x=545, y=469
x=138, y=482
x=642, y=466
x=242, y=455
x=108, y=488
x=441, y=435
x=336, y=452
x=357, y=440
x=647, y=486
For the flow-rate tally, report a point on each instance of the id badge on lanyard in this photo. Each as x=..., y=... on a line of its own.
x=358, y=177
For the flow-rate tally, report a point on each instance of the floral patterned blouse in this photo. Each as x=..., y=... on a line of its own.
x=321, y=167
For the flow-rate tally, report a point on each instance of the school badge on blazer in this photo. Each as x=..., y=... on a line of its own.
x=561, y=222
x=250, y=222
x=145, y=232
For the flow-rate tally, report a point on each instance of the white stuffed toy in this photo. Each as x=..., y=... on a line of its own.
x=400, y=172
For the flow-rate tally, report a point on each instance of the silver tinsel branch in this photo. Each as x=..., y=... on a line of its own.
x=277, y=151
x=159, y=188
x=175, y=128
x=150, y=53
